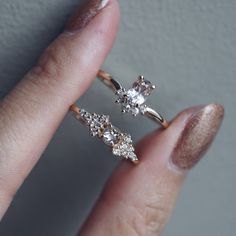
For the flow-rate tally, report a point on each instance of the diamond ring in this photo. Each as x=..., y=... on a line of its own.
x=133, y=99
x=100, y=126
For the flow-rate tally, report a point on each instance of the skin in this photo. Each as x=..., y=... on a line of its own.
x=137, y=200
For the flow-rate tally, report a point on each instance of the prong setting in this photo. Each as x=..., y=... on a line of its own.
x=100, y=126
x=133, y=99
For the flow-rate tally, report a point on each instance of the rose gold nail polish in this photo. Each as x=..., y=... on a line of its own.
x=84, y=14
x=198, y=134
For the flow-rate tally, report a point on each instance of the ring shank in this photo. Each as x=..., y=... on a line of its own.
x=110, y=82
x=74, y=108
x=156, y=117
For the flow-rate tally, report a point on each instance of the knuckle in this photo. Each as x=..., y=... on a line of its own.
x=154, y=217
x=50, y=64
x=147, y=219
x=47, y=67
x=142, y=216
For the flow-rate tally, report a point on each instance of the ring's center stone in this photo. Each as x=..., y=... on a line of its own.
x=110, y=136
x=132, y=99
x=135, y=97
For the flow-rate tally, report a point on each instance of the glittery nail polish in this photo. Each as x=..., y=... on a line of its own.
x=199, y=132
x=84, y=14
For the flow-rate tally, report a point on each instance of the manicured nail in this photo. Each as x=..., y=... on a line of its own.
x=199, y=132
x=85, y=14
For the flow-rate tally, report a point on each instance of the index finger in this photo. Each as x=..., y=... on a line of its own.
x=31, y=113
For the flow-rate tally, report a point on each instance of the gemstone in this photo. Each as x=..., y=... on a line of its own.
x=125, y=148
x=143, y=109
x=143, y=86
x=132, y=99
x=110, y=136
x=95, y=122
x=132, y=156
x=86, y=117
x=94, y=129
x=135, y=96
x=104, y=119
x=99, y=125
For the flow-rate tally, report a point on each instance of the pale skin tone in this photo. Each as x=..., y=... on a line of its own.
x=137, y=200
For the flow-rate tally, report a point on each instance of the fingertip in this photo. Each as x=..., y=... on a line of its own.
x=198, y=134
x=86, y=13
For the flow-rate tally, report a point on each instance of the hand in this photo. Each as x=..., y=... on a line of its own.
x=137, y=200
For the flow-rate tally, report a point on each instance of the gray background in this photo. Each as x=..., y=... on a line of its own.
x=189, y=49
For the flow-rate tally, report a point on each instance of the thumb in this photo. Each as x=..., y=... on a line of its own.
x=139, y=200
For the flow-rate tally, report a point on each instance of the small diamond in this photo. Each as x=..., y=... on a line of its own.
x=95, y=122
x=125, y=148
x=127, y=138
x=104, y=119
x=132, y=156
x=143, y=86
x=94, y=129
x=86, y=117
x=143, y=109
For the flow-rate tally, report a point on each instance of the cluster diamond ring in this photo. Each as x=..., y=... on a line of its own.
x=133, y=100
x=101, y=127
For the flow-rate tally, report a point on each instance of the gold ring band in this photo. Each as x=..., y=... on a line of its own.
x=129, y=99
x=100, y=126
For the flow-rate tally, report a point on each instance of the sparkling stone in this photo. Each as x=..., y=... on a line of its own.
x=120, y=150
x=132, y=156
x=134, y=111
x=110, y=136
x=143, y=86
x=133, y=99
x=95, y=122
x=82, y=111
x=135, y=96
x=86, y=117
x=104, y=119
x=143, y=109
x=99, y=125
x=125, y=148
x=94, y=129
x=127, y=138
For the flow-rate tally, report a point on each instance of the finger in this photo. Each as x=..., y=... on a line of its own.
x=138, y=200
x=30, y=114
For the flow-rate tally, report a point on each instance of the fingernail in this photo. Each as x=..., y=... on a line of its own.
x=199, y=132
x=85, y=14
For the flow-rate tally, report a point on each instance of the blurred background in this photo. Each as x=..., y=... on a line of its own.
x=187, y=48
